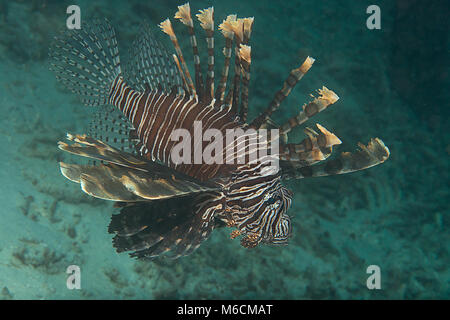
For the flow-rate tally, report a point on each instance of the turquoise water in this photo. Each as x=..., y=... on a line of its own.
x=392, y=83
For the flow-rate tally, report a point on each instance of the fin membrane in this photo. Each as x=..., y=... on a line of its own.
x=87, y=61
x=176, y=226
x=368, y=156
x=125, y=177
x=95, y=149
x=151, y=65
x=108, y=124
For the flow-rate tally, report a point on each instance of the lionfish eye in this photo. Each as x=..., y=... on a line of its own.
x=273, y=199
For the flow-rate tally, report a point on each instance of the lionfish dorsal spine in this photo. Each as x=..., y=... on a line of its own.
x=166, y=27
x=293, y=78
x=206, y=18
x=184, y=15
x=228, y=33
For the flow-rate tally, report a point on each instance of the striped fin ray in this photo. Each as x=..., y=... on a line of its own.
x=87, y=61
x=367, y=156
x=245, y=55
x=248, y=25
x=166, y=27
x=117, y=183
x=174, y=227
x=294, y=76
x=324, y=100
x=245, y=58
x=225, y=28
x=125, y=177
x=108, y=124
x=238, y=29
x=184, y=15
x=151, y=66
x=316, y=147
x=206, y=18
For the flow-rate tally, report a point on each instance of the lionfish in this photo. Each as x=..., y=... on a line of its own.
x=167, y=207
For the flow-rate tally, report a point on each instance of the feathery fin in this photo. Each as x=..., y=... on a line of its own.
x=173, y=226
x=166, y=27
x=227, y=31
x=184, y=15
x=125, y=177
x=87, y=61
x=325, y=99
x=150, y=64
x=206, y=18
x=367, y=156
x=245, y=58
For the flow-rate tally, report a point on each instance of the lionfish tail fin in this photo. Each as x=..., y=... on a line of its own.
x=87, y=61
x=367, y=156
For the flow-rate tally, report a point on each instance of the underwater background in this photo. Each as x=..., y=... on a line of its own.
x=392, y=83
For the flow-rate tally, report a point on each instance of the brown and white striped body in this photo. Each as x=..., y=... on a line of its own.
x=156, y=114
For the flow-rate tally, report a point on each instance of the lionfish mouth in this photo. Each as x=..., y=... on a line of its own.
x=145, y=159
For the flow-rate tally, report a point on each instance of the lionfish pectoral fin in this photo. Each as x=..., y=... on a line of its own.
x=149, y=229
x=368, y=156
x=317, y=147
x=71, y=171
x=97, y=182
x=112, y=182
x=95, y=149
x=125, y=177
x=293, y=78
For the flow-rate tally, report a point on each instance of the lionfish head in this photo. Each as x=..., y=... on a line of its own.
x=270, y=224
